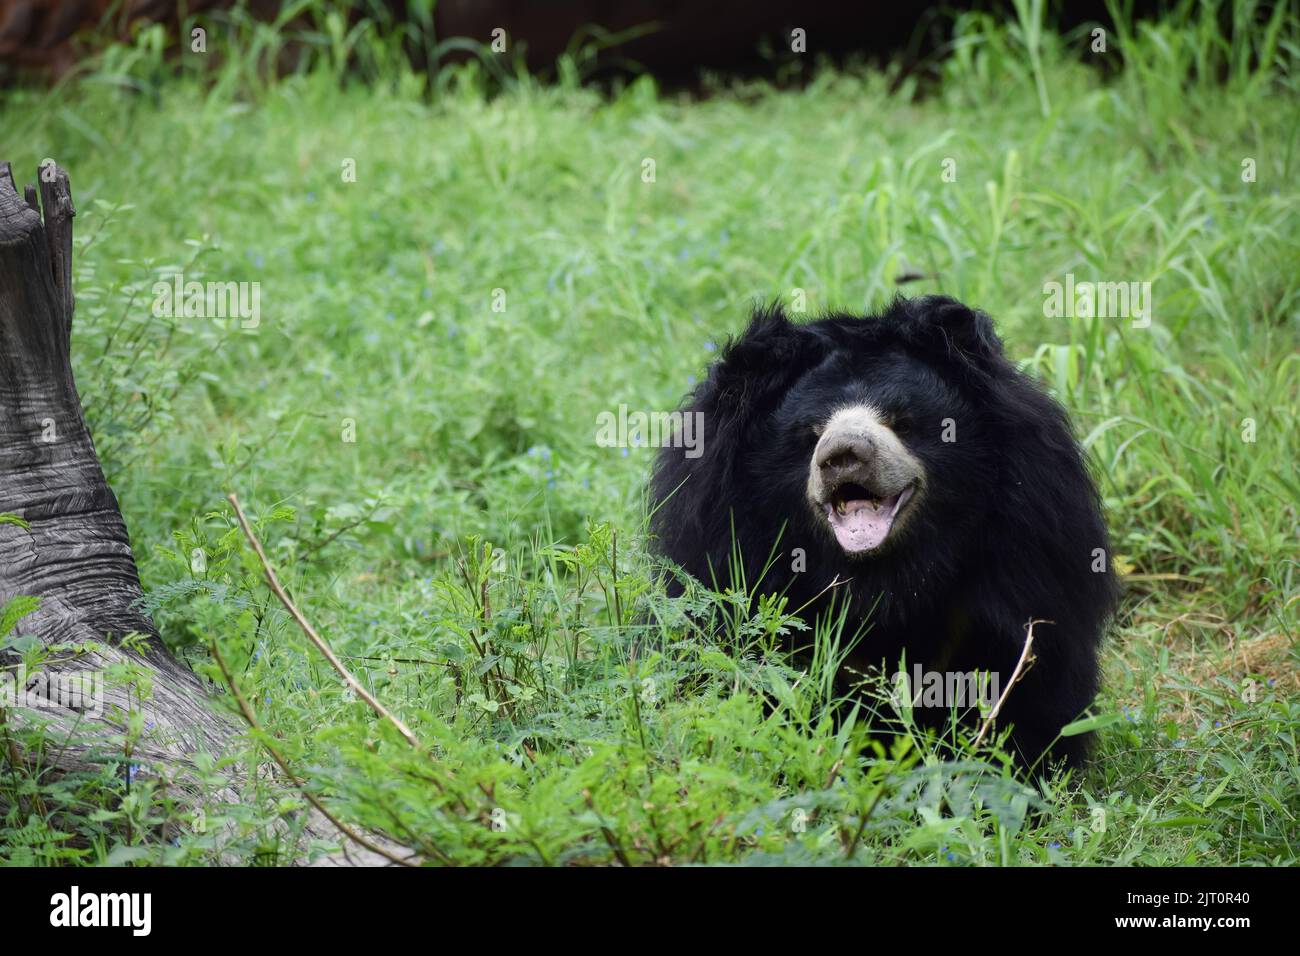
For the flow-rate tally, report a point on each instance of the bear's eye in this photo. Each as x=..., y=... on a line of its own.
x=901, y=425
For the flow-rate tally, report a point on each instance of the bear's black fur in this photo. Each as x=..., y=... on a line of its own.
x=1003, y=524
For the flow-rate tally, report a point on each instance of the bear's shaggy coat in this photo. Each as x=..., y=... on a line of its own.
x=1000, y=525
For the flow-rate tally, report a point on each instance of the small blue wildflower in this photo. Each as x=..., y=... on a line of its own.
x=1054, y=845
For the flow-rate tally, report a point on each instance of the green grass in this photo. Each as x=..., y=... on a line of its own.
x=552, y=740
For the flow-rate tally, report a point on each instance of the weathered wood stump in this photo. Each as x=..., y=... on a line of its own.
x=74, y=554
x=71, y=551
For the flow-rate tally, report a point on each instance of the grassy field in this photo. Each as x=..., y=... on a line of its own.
x=412, y=426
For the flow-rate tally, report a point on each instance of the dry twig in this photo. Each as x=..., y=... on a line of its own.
x=315, y=638
x=1022, y=667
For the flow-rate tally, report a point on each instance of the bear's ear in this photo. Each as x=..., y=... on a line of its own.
x=761, y=361
x=770, y=341
x=755, y=368
x=962, y=333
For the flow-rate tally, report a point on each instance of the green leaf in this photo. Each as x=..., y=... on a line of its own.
x=15, y=610
x=126, y=854
x=1216, y=793
x=1185, y=821
x=1091, y=723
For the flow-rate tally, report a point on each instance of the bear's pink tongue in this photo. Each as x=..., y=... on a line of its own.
x=861, y=525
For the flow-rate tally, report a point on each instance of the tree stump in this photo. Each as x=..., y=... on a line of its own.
x=71, y=551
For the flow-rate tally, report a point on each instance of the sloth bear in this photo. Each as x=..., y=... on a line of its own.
x=898, y=468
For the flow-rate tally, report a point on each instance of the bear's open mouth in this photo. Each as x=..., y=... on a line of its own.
x=861, y=521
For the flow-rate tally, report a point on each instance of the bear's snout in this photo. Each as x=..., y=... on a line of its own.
x=857, y=448
x=861, y=479
x=846, y=455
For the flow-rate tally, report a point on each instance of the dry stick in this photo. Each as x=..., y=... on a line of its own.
x=246, y=712
x=315, y=638
x=835, y=583
x=1022, y=666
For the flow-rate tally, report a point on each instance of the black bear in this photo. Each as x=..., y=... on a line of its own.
x=900, y=466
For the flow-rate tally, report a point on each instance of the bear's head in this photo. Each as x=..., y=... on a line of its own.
x=880, y=428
